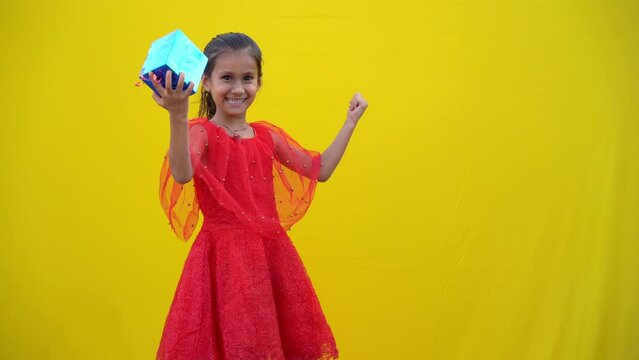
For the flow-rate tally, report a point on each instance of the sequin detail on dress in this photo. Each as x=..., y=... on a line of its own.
x=244, y=292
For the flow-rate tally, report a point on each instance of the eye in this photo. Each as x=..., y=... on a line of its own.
x=226, y=77
x=248, y=78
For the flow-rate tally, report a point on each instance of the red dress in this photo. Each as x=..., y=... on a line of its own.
x=244, y=292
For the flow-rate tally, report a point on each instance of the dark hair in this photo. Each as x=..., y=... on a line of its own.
x=215, y=47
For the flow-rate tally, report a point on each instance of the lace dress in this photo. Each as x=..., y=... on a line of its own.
x=244, y=292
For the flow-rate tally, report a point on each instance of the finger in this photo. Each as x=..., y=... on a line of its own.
x=352, y=104
x=180, y=82
x=189, y=89
x=361, y=101
x=156, y=83
x=159, y=89
x=168, y=80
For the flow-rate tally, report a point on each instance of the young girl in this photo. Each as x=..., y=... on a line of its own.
x=244, y=292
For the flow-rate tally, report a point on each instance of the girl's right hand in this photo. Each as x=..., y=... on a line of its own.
x=176, y=101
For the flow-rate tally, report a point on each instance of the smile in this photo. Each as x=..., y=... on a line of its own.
x=235, y=101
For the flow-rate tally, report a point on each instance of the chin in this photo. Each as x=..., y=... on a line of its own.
x=233, y=113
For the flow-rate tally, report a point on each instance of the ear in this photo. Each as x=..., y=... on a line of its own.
x=205, y=83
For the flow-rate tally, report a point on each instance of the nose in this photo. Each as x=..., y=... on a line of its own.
x=237, y=88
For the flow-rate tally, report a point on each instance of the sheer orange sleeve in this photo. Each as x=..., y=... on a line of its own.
x=295, y=174
x=179, y=201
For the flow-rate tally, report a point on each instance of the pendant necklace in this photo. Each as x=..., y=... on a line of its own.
x=235, y=133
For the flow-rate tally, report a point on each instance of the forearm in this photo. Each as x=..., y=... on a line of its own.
x=333, y=154
x=179, y=153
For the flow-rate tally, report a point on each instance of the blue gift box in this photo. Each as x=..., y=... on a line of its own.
x=177, y=53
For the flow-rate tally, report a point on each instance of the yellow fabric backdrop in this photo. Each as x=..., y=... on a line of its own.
x=486, y=208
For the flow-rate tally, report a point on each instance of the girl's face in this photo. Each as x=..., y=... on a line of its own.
x=233, y=84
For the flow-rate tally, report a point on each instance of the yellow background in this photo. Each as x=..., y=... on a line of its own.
x=487, y=207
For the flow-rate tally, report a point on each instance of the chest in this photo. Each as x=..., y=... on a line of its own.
x=237, y=158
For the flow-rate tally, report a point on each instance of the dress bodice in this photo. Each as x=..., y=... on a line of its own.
x=267, y=181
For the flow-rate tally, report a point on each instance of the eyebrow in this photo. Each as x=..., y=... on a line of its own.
x=231, y=72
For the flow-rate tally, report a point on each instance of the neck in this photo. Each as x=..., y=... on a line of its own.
x=230, y=121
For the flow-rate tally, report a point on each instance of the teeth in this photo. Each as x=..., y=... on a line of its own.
x=234, y=101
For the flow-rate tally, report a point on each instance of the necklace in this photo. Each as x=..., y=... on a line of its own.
x=235, y=133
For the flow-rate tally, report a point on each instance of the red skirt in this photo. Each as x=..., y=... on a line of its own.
x=244, y=294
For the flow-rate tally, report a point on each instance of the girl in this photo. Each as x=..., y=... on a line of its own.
x=243, y=292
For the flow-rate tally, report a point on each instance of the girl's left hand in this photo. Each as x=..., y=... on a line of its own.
x=356, y=108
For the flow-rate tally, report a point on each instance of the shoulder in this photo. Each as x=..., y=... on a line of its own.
x=198, y=129
x=198, y=121
x=264, y=128
x=262, y=124
x=268, y=127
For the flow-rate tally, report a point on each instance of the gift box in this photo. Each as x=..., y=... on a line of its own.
x=177, y=53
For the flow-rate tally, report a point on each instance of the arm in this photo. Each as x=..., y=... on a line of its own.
x=179, y=155
x=333, y=154
x=176, y=102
